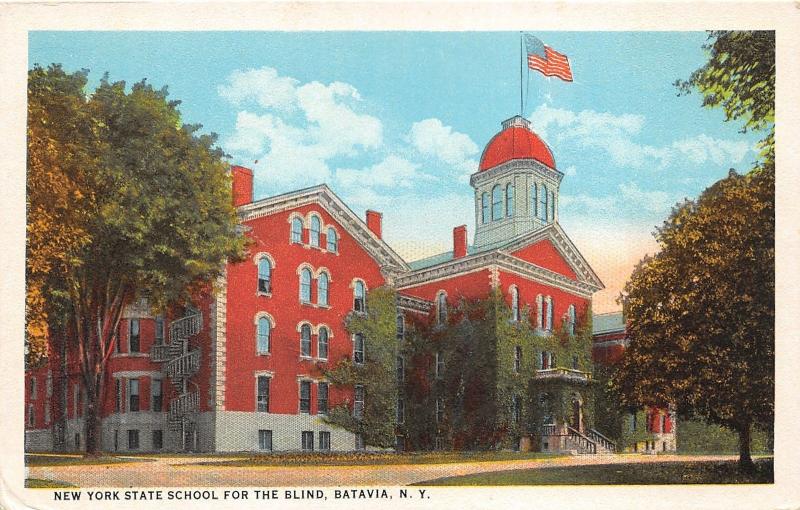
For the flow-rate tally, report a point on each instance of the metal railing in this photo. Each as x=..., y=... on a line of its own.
x=183, y=405
x=184, y=365
x=186, y=326
x=160, y=353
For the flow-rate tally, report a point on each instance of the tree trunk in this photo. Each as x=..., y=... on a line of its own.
x=745, y=461
x=93, y=428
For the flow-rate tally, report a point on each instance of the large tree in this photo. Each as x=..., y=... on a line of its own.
x=147, y=201
x=701, y=311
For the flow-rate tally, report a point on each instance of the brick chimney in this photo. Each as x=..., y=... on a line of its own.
x=242, y=185
x=374, y=220
x=460, y=242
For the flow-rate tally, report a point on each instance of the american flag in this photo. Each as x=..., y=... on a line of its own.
x=546, y=60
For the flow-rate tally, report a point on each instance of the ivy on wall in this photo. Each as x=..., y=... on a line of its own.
x=376, y=375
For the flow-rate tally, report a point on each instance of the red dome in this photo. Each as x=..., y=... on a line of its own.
x=515, y=141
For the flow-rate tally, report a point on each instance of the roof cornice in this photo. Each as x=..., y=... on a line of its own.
x=515, y=165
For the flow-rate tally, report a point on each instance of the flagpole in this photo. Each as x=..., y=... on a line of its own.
x=520, y=74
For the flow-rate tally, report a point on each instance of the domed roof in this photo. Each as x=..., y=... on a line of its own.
x=515, y=141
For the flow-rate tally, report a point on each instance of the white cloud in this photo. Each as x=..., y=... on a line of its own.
x=570, y=171
x=296, y=151
x=615, y=134
x=393, y=171
x=262, y=86
x=587, y=203
x=703, y=148
x=652, y=201
x=432, y=138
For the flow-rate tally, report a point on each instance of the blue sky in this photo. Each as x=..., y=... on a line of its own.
x=396, y=121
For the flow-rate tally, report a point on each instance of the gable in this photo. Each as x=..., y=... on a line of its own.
x=545, y=255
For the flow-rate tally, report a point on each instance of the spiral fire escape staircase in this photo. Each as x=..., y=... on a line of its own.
x=180, y=364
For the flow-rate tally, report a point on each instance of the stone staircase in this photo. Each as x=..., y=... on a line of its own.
x=180, y=364
x=591, y=443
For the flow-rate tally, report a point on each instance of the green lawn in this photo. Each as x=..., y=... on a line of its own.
x=37, y=460
x=370, y=459
x=38, y=483
x=692, y=472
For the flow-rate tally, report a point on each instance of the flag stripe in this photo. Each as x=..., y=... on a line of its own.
x=552, y=63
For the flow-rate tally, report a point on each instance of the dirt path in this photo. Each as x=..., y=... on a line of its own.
x=177, y=472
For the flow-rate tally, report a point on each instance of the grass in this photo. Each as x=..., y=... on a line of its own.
x=371, y=459
x=43, y=460
x=39, y=483
x=688, y=472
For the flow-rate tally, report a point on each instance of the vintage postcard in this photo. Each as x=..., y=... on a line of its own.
x=413, y=255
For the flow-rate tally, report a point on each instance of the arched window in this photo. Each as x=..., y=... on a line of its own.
x=358, y=348
x=441, y=308
x=539, y=312
x=264, y=274
x=263, y=333
x=549, y=314
x=305, y=340
x=485, y=207
x=401, y=326
x=514, y=304
x=332, y=240
x=571, y=320
x=297, y=230
x=359, y=297
x=322, y=289
x=543, y=203
x=534, y=201
x=497, y=202
x=305, y=285
x=552, y=206
x=322, y=343
x=314, y=231
x=510, y=199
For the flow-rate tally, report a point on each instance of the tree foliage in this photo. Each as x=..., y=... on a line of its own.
x=139, y=205
x=701, y=311
x=739, y=77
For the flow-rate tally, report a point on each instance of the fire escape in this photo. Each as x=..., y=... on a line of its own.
x=180, y=364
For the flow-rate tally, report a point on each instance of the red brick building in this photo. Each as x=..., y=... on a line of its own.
x=239, y=370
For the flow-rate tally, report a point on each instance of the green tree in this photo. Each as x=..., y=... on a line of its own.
x=155, y=215
x=701, y=311
x=739, y=77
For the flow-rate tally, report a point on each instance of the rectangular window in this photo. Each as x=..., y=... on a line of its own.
x=322, y=398
x=399, y=443
x=262, y=394
x=133, y=439
x=133, y=395
x=439, y=443
x=31, y=416
x=158, y=439
x=46, y=414
x=358, y=348
x=156, y=392
x=265, y=440
x=401, y=370
x=159, y=330
x=77, y=440
x=516, y=408
x=49, y=384
x=439, y=365
x=324, y=441
x=517, y=358
x=117, y=395
x=33, y=388
x=308, y=441
x=358, y=402
x=401, y=411
x=360, y=445
x=439, y=410
x=133, y=337
x=305, y=397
